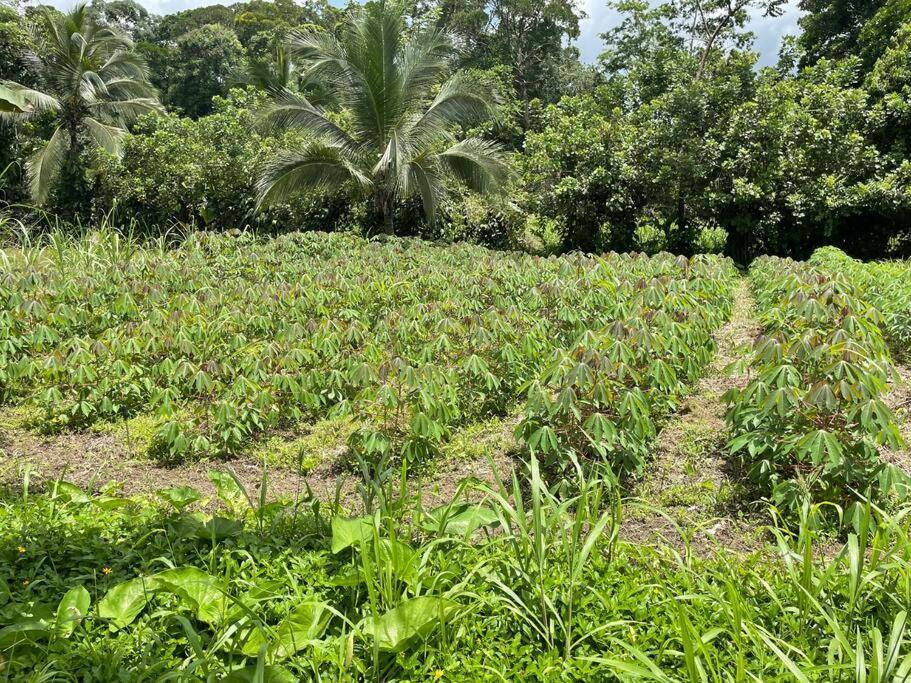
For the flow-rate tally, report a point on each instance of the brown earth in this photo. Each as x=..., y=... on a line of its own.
x=692, y=478
x=97, y=461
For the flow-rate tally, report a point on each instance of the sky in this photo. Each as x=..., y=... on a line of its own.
x=769, y=31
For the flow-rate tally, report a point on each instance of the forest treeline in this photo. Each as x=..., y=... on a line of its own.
x=465, y=119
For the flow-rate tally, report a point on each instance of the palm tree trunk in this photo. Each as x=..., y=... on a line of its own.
x=383, y=205
x=388, y=226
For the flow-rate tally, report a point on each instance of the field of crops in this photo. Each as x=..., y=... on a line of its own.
x=225, y=338
x=811, y=421
x=885, y=284
x=542, y=572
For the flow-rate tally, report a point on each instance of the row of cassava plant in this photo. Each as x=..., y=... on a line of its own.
x=811, y=422
x=225, y=337
x=509, y=583
x=885, y=284
x=602, y=397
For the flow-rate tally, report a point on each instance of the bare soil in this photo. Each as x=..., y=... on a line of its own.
x=702, y=496
x=95, y=462
x=899, y=400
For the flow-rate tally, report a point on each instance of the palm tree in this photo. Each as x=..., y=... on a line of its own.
x=401, y=139
x=271, y=75
x=95, y=85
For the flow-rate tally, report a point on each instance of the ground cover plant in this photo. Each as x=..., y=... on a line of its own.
x=885, y=284
x=520, y=586
x=224, y=338
x=263, y=453
x=811, y=421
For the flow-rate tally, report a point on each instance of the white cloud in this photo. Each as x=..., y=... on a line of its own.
x=769, y=30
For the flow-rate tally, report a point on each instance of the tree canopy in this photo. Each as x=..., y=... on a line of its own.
x=675, y=138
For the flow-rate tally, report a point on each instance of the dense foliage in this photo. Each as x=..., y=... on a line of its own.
x=398, y=141
x=811, y=421
x=674, y=140
x=885, y=284
x=111, y=588
x=226, y=337
x=95, y=85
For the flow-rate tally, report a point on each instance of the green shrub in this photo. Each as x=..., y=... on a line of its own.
x=650, y=238
x=202, y=172
x=710, y=239
x=541, y=235
x=811, y=420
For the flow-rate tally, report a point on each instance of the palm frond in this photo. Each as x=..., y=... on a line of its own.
x=321, y=57
x=382, y=74
x=316, y=167
x=123, y=111
x=105, y=136
x=290, y=110
x=424, y=61
x=45, y=164
x=480, y=164
x=422, y=176
x=461, y=100
x=26, y=100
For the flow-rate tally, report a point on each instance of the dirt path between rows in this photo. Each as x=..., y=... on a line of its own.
x=95, y=462
x=692, y=478
x=899, y=401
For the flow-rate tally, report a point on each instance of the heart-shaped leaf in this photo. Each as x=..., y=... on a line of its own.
x=203, y=593
x=123, y=603
x=412, y=621
x=179, y=496
x=350, y=531
x=306, y=623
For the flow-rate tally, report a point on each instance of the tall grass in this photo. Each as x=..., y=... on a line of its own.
x=509, y=581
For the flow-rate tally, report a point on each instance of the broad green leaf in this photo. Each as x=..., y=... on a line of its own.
x=179, y=496
x=123, y=603
x=12, y=101
x=411, y=621
x=203, y=593
x=349, y=532
x=306, y=623
x=70, y=492
x=72, y=610
x=207, y=528
x=403, y=560
x=461, y=519
x=111, y=502
x=227, y=489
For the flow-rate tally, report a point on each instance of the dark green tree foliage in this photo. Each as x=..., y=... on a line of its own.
x=203, y=172
x=574, y=174
x=92, y=85
x=794, y=163
x=173, y=26
x=831, y=28
x=882, y=30
x=204, y=64
x=262, y=25
x=528, y=36
x=128, y=16
x=16, y=64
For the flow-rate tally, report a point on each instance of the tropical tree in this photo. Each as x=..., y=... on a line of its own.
x=400, y=134
x=94, y=86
